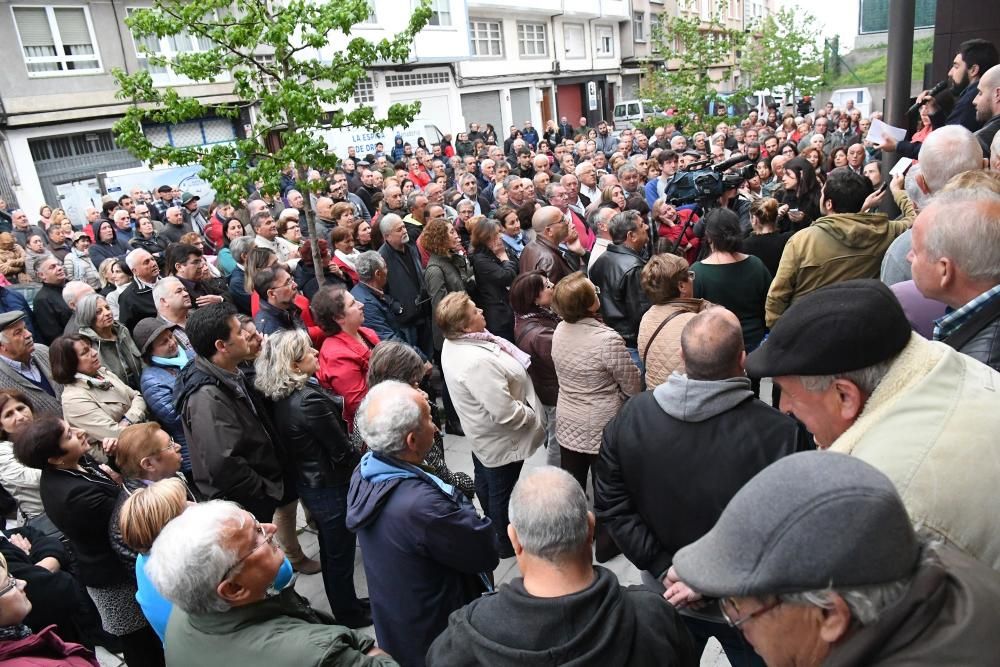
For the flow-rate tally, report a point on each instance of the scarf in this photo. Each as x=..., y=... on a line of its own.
x=504, y=344
x=95, y=382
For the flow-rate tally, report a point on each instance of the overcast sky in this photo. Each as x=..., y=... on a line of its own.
x=835, y=18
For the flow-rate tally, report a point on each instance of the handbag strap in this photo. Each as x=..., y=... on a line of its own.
x=649, y=342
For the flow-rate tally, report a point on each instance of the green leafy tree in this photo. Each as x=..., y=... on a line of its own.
x=269, y=51
x=691, y=47
x=785, y=54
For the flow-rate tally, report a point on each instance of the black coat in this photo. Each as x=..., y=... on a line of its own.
x=979, y=336
x=310, y=425
x=617, y=273
x=493, y=279
x=661, y=483
x=406, y=283
x=134, y=304
x=51, y=313
x=80, y=504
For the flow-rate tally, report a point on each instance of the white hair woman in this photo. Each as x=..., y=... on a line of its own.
x=307, y=420
x=112, y=340
x=495, y=401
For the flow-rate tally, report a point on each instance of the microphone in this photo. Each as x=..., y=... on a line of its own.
x=731, y=162
x=939, y=87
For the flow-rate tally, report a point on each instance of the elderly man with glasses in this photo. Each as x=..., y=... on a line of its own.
x=234, y=602
x=815, y=562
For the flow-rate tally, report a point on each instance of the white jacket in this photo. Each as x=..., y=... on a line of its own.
x=931, y=426
x=495, y=401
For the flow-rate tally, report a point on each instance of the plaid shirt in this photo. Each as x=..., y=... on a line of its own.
x=947, y=325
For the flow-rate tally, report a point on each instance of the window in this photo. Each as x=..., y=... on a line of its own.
x=364, y=91
x=168, y=47
x=486, y=37
x=372, y=17
x=574, y=40
x=440, y=12
x=57, y=40
x=639, y=26
x=201, y=132
x=416, y=79
x=531, y=42
x=604, y=41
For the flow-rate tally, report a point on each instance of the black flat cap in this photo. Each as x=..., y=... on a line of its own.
x=836, y=329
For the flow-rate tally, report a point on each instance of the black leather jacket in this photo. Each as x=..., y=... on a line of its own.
x=623, y=301
x=310, y=426
x=979, y=337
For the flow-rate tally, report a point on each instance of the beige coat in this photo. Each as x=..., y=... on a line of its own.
x=664, y=355
x=931, y=426
x=98, y=410
x=596, y=375
x=494, y=399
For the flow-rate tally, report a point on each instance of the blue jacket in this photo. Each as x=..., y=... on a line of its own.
x=11, y=299
x=424, y=548
x=270, y=319
x=157, y=389
x=530, y=136
x=155, y=607
x=236, y=287
x=380, y=315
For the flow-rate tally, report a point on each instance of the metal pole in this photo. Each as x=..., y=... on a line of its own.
x=899, y=64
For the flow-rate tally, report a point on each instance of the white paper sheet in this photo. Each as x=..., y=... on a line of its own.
x=880, y=130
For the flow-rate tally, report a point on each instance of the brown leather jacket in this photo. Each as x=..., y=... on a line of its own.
x=541, y=255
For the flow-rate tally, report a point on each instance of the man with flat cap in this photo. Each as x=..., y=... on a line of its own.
x=784, y=574
x=25, y=365
x=926, y=415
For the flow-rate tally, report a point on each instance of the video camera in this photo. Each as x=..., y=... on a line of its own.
x=702, y=181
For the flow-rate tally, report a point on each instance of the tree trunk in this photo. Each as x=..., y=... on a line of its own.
x=302, y=172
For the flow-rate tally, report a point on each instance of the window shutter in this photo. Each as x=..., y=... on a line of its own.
x=72, y=26
x=33, y=25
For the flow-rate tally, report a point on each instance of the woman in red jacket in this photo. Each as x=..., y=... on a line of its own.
x=343, y=358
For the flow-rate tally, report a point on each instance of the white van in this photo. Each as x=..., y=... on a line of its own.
x=629, y=113
x=861, y=97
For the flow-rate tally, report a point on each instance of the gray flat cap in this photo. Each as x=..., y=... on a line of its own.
x=807, y=522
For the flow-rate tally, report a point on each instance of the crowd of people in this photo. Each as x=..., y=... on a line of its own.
x=178, y=380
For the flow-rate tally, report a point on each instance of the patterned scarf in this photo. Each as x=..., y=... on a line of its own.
x=10, y=633
x=504, y=344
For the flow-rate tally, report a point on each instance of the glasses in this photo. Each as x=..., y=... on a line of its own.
x=597, y=290
x=171, y=446
x=9, y=586
x=690, y=275
x=549, y=284
x=265, y=539
x=729, y=602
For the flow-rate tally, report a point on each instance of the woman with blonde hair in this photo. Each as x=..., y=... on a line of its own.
x=115, y=280
x=141, y=518
x=669, y=284
x=12, y=259
x=307, y=420
x=496, y=402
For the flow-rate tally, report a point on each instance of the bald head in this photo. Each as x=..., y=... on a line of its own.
x=946, y=152
x=987, y=101
x=324, y=207
x=543, y=219
x=712, y=345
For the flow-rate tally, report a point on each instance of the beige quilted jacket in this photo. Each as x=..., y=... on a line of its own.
x=664, y=355
x=596, y=375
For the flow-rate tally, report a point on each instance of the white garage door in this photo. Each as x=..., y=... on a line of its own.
x=434, y=109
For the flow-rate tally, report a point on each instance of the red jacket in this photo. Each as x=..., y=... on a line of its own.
x=343, y=369
x=691, y=254
x=316, y=334
x=45, y=649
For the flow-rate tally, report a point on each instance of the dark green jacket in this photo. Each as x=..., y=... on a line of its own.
x=282, y=630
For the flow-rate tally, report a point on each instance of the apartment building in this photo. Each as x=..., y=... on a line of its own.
x=58, y=104
x=541, y=59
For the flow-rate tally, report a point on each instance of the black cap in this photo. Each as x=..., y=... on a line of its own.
x=836, y=329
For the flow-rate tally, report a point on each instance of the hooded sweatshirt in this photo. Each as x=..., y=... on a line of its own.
x=424, y=548
x=675, y=456
x=833, y=249
x=604, y=624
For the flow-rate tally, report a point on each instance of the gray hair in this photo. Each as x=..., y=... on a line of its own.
x=73, y=291
x=162, y=287
x=866, y=379
x=866, y=603
x=607, y=181
x=621, y=224
x=276, y=377
x=86, y=309
x=465, y=203
x=41, y=259
x=550, y=189
x=132, y=258
x=387, y=415
x=257, y=217
x=948, y=151
x=594, y=217
x=387, y=222
x=627, y=168
x=510, y=180
x=240, y=246
x=367, y=263
x=972, y=239
x=466, y=178
x=582, y=166
x=191, y=555
x=548, y=509
x=411, y=200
